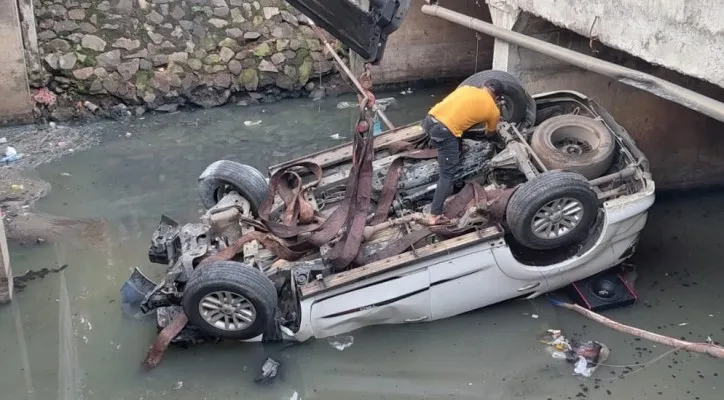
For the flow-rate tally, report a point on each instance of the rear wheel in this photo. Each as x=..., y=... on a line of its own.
x=517, y=106
x=223, y=176
x=552, y=210
x=229, y=300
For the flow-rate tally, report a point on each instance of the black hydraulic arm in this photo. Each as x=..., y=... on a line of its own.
x=365, y=32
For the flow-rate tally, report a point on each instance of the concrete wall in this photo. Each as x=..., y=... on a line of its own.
x=685, y=147
x=426, y=47
x=684, y=36
x=6, y=273
x=15, y=105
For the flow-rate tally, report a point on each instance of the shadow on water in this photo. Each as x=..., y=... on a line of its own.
x=65, y=336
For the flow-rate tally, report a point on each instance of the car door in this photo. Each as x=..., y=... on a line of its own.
x=397, y=297
x=467, y=280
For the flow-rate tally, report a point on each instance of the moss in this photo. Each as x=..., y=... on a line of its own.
x=212, y=59
x=249, y=78
x=262, y=50
x=314, y=44
x=143, y=77
x=305, y=71
x=86, y=57
x=282, y=44
x=81, y=87
x=299, y=58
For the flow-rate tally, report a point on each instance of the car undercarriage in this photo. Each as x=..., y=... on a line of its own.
x=540, y=187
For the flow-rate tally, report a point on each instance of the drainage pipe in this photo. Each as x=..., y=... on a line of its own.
x=628, y=76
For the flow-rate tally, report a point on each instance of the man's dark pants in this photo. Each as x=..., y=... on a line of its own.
x=448, y=157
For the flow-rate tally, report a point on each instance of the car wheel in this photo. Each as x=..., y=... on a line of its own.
x=223, y=176
x=518, y=106
x=229, y=300
x=574, y=143
x=552, y=210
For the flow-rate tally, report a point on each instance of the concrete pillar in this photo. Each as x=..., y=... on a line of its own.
x=6, y=273
x=15, y=103
x=30, y=42
x=505, y=16
x=429, y=48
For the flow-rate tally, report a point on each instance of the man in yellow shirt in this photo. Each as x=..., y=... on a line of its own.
x=445, y=123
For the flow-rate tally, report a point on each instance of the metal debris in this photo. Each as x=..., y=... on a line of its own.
x=269, y=371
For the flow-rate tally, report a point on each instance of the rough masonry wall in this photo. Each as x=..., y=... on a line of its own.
x=157, y=52
x=684, y=36
x=683, y=146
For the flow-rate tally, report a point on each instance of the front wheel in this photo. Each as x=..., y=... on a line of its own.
x=224, y=176
x=552, y=210
x=230, y=300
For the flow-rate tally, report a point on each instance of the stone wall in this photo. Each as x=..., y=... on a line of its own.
x=160, y=53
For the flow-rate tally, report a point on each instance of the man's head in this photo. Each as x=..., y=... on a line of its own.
x=494, y=86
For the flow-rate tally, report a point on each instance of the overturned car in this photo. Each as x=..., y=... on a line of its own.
x=336, y=241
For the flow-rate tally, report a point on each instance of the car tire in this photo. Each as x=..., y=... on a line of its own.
x=224, y=285
x=574, y=143
x=224, y=176
x=567, y=195
x=521, y=105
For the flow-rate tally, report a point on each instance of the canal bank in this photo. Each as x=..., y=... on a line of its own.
x=66, y=334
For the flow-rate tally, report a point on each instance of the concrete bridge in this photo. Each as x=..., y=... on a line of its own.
x=682, y=42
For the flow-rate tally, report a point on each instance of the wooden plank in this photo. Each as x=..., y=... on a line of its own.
x=341, y=153
x=398, y=261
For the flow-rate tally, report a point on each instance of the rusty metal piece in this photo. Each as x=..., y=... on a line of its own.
x=497, y=202
x=159, y=346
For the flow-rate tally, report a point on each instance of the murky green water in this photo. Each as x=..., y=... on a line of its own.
x=64, y=337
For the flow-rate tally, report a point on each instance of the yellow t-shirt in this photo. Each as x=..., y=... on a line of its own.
x=465, y=107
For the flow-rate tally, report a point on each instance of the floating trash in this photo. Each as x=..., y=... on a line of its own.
x=586, y=355
x=341, y=343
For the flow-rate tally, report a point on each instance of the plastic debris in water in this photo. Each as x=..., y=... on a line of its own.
x=252, y=123
x=295, y=396
x=345, y=104
x=9, y=159
x=269, y=371
x=178, y=385
x=586, y=355
x=408, y=91
x=336, y=136
x=341, y=343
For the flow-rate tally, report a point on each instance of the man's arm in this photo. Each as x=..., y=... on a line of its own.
x=491, y=123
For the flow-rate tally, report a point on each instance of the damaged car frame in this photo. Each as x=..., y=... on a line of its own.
x=560, y=194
